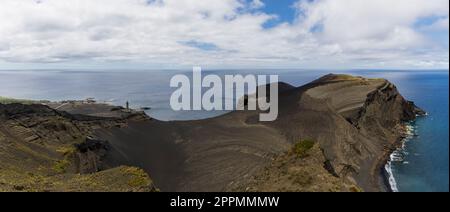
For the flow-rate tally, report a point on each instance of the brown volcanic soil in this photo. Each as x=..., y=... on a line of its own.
x=354, y=121
x=297, y=171
x=42, y=149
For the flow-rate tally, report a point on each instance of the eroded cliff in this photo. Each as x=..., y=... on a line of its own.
x=42, y=149
x=351, y=125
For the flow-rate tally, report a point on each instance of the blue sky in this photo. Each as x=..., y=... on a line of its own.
x=160, y=34
x=281, y=8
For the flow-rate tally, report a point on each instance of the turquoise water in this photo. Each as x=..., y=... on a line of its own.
x=424, y=165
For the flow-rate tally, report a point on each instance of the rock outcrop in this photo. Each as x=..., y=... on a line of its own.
x=354, y=121
x=351, y=124
x=42, y=149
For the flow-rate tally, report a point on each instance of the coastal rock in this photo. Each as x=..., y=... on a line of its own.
x=352, y=119
x=351, y=124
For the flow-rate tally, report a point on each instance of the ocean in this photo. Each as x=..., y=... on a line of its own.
x=421, y=165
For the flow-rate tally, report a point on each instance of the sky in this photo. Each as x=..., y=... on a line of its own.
x=220, y=34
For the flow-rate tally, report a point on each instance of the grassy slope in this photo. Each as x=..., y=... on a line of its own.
x=120, y=179
x=299, y=170
x=6, y=100
x=37, y=154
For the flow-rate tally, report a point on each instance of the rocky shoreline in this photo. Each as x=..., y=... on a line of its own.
x=384, y=175
x=405, y=134
x=352, y=123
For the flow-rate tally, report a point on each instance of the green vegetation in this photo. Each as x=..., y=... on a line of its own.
x=299, y=170
x=67, y=150
x=355, y=189
x=5, y=100
x=120, y=179
x=61, y=166
x=138, y=177
x=49, y=162
x=302, y=147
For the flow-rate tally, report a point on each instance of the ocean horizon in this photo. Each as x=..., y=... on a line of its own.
x=421, y=165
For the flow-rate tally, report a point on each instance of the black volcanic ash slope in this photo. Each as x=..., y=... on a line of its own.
x=333, y=134
x=42, y=149
x=353, y=122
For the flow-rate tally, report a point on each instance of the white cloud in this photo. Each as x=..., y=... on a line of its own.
x=256, y=4
x=440, y=25
x=327, y=34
